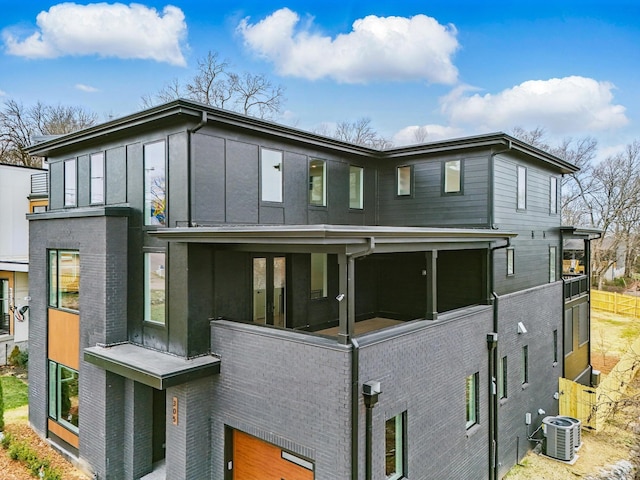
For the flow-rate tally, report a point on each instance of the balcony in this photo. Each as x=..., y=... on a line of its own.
x=575, y=286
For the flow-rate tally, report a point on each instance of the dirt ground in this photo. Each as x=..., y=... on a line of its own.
x=620, y=439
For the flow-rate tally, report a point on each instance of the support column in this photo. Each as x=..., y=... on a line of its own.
x=432, y=285
x=344, y=298
x=138, y=429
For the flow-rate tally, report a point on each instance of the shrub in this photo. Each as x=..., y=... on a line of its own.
x=22, y=452
x=18, y=358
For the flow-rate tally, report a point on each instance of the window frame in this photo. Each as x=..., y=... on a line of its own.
x=70, y=176
x=54, y=272
x=97, y=198
x=472, y=401
x=502, y=378
x=553, y=195
x=583, y=325
x=511, y=261
x=553, y=263
x=322, y=201
x=525, y=365
x=322, y=262
x=555, y=347
x=265, y=162
x=147, y=297
x=400, y=446
x=521, y=191
x=445, y=177
x=55, y=401
x=404, y=191
x=151, y=218
x=359, y=172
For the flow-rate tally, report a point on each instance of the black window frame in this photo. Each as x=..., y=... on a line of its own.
x=443, y=186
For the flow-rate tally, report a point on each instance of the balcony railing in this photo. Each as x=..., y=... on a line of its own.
x=39, y=183
x=575, y=285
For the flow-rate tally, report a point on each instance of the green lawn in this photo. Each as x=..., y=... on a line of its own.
x=15, y=392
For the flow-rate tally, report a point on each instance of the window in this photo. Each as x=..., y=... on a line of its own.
x=568, y=331
x=525, y=365
x=552, y=263
x=555, y=347
x=317, y=183
x=583, y=324
x=395, y=446
x=70, y=185
x=356, y=197
x=452, y=176
x=154, y=294
x=511, y=267
x=155, y=201
x=522, y=188
x=96, y=165
x=318, y=275
x=271, y=180
x=63, y=395
x=502, y=378
x=64, y=279
x=403, y=177
x=553, y=195
x=472, y=399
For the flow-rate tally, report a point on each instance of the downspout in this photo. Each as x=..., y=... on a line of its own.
x=355, y=407
x=202, y=123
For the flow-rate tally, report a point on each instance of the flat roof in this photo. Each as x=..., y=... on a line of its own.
x=156, y=369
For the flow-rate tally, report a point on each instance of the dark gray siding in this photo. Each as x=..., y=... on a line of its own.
x=116, y=176
x=428, y=206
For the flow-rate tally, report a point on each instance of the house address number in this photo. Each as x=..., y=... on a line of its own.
x=174, y=411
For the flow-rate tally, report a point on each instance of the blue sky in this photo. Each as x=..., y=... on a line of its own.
x=456, y=68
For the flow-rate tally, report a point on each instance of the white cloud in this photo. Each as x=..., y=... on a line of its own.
x=377, y=48
x=2, y=93
x=86, y=88
x=560, y=105
x=107, y=30
x=424, y=134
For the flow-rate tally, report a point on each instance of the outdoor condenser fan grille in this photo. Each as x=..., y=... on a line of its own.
x=559, y=441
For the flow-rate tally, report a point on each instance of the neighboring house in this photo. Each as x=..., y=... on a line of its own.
x=15, y=191
x=215, y=295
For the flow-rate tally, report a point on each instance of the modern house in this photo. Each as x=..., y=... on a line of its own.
x=15, y=195
x=220, y=297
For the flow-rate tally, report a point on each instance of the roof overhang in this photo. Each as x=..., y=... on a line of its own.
x=14, y=265
x=586, y=233
x=352, y=240
x=156, y=369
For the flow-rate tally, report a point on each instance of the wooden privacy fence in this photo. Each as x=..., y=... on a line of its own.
x=616, y=303
x=592, y=406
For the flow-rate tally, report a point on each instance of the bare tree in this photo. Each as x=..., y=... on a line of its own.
x=360, y=132
x=420, y=134
x=216, y=85
x=19, y=125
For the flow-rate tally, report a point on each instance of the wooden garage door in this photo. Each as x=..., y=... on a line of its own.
x=255, y=459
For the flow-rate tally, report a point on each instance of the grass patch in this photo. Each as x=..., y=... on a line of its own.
x=16, y=392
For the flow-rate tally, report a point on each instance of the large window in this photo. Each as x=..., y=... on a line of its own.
x=472, y=399
x=553, y=195
x=155, y=199
x=97, y=178
x=452, y=177
x=395, y=446
x=318, y=275
x=70, y=183
x=155, y=287
x=553, y=261
x=317, y=183
x=271, y=176
x=522, y=188
x=403, y=180
x=63, y=395
x=64, y=279
x=356, y=187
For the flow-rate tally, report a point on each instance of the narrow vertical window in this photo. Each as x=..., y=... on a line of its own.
x=511, y=268
x=472, y=396
x=502, y=378
x=53, y=278
x=63, y=396
x=155, y=201
x=64, y=279
x=552, y=263
x=568, y=331
x=395, y=447
x=356, y=187
x=317, y=183
x=403, y=178
x=271, y=175
x=555, y=346
x=522, y=188
x=525, y=365
x=452, y=176
x=553, y=195
x=154, y=276
x=70, y=183
x=583, y=324
x=97, y=178
x=318, y=275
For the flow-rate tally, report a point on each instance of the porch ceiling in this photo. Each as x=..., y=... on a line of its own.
x=150, y=367
x=339, y=238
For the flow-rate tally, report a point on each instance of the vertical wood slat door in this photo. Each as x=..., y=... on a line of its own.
x=255, y=459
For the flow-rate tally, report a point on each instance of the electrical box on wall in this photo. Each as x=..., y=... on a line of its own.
x=527, y=418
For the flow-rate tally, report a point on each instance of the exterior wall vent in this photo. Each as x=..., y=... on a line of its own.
x=558, y=441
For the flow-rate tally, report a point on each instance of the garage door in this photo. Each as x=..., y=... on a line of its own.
x=255, y=459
